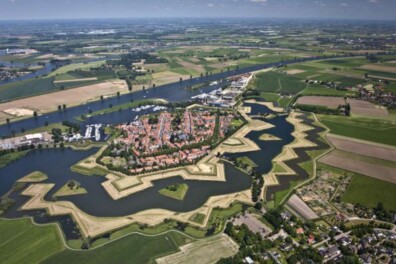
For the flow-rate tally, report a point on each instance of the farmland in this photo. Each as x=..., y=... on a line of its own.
x=376, y=168
x=213, y=248
x=374, y=130
x=20, y=241
x=369, y=192
x=129, y=249
x=279, y=83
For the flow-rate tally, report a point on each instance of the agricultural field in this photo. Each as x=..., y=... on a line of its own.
x=358, y=107
x=373, y=167
x=20, y=241
x=277, y=82
x=369, y=192
x=363, y=148
x=23, y=89
x=319, y=90
x=213, y=249
x=375, y=130
x=129, y=249
x=50, y=101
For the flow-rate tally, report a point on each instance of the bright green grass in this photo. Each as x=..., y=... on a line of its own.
x=178, y=194
x=45, y=129
x=26, y=88
x=270, y=97
x=247, y=161
x=284, y=101
x=279, y=83
x=198, y=218
x=76, y=66
x=23, y=242
x=369, y=192
x=361, y=128
x=10, y=157
x=322, y=90
x=130, y=249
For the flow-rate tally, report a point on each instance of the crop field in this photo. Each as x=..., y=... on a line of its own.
x=374, y=130
x=20, y=241
x=358, y=107
x=279, y=83
x=213, y=249
x=76, y=66
x=376, y=168
x=324, y=91
x=50, y=101
x=130, y=249
x=26, y=88
x=369, y=192
x=363, y=148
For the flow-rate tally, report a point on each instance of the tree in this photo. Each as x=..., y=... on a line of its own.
x=8, y=120
x=101, y=97
x=35, y=114
x=59, y=107
x=64, y=107
x=181, y=79
x=258, y=206
x=118, y=94
x=71, y=184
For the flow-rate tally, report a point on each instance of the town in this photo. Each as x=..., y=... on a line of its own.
x=170, y=138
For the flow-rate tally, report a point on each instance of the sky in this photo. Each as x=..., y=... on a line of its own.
x=72, y=9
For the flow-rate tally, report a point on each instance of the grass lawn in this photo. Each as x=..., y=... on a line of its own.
x=67, y=191
x=36, y=176
x=26, y=88
x=369, y=192
x=76, y=66
x=198, y=218
x=23, y=242
x=279, y=83
x=268, y=137
x=247, y=161
x=322, y=90
x=45, y=129
x=177, y=191
x=270, y=97
x=375, y=130
x=10, y=157
x=130, y=249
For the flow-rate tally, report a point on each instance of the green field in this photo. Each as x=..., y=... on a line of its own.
x=324, y=91
x=26, y=88
x=279, y=83
x=179, y=192
x=23, y=242
x=247, y=161
x=130, y=249
x=375, y=130
x=10, y=157
x=369, y=192
x=76, y=66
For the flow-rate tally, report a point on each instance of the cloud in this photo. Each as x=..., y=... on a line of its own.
x=343, y=4
x=374, y=1
x=210, y=5
x=259, y=1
